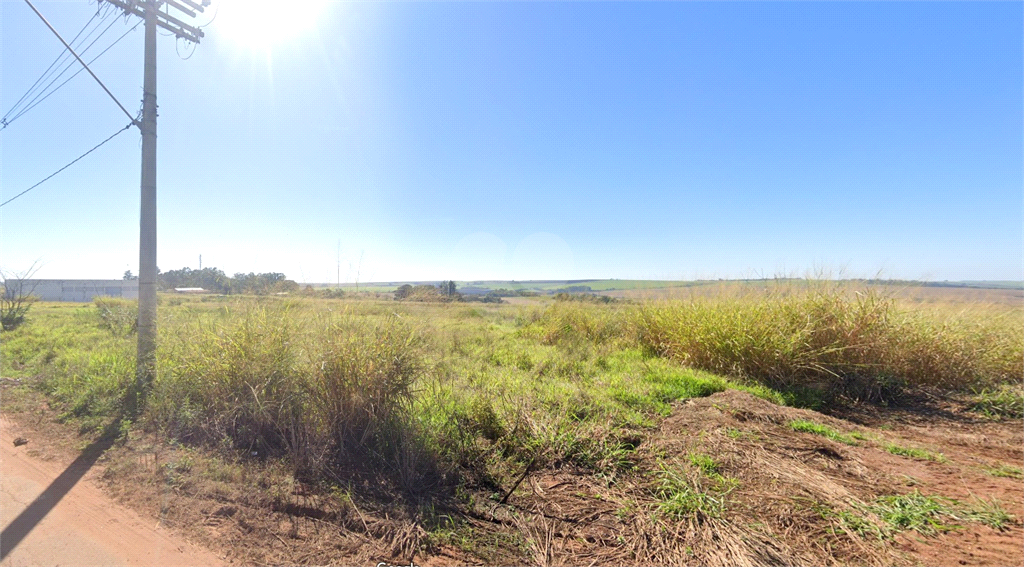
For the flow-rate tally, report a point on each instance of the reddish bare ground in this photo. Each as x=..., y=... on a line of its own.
x=787, y=477
x=53, y=515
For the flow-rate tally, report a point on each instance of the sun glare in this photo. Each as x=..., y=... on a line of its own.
x=263, y=23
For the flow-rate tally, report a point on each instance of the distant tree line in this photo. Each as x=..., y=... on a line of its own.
x=585, y=298
x=502, y=292
x=325, y=293
x=574, y=289
x=445, y=291
x=215, y=280
x=448, y=291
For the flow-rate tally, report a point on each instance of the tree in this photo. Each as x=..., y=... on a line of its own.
x=17, y=297
x=403, y=291
x=128, y=276
x=447, y=288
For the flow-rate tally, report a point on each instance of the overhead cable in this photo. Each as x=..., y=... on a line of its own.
x=47, y=71
x=43, y=94
x=96, y=147
x=64, y=61
x=36, y=102
x=111, y=95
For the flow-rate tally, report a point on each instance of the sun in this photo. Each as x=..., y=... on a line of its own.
x=264, y=23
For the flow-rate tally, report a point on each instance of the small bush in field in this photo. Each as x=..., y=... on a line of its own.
x=119, y=315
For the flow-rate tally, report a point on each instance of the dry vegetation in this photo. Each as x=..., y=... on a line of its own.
x=738, y=428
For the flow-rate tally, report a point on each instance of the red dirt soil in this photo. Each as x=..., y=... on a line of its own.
x=53, y=515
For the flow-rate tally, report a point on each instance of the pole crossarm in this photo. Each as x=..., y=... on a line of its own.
x=165, y=20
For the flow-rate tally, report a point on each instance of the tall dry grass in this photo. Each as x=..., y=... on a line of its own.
x=830, y=338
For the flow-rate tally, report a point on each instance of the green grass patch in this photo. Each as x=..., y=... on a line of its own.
x=805, y=426
x=680, y=498
x=706, y=465
x=914, y=453
x=927, y=515
x=914, y=511
x=1001, y=402
x=1006, y=471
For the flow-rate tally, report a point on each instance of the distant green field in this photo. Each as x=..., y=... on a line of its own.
x=597, y=285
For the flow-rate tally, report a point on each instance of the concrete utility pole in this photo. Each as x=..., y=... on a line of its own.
x=150, y=11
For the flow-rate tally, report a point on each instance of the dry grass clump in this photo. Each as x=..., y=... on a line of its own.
x=833, y=340
x=566, y=323
x=324, y=395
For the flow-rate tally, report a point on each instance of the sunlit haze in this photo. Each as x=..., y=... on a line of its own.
x=264, y=23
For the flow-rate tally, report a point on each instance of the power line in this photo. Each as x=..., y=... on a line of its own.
x=112, y=97
x=96, y=147
x=66, y=81
x=63, y=62
x=47, y=71
x=43, y=94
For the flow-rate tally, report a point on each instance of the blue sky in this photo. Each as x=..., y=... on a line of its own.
x=532, y=140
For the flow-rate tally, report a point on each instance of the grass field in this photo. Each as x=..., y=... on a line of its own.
x=433, y=405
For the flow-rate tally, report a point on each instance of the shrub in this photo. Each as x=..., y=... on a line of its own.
x=119, y=315
x=15, y=302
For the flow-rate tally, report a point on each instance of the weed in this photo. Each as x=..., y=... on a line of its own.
x=851, y=522
x=120, y=316
x=680, y=500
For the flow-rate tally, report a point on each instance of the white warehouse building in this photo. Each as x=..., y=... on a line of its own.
x=82, y=291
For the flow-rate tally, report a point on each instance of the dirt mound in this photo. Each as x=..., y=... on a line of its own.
x=813, y=492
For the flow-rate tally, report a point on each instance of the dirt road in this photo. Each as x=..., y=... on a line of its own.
x=52, y=514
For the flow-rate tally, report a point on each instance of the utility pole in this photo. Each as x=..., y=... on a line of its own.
x=150, y=12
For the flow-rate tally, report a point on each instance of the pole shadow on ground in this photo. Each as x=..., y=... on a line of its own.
x=30, y=517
